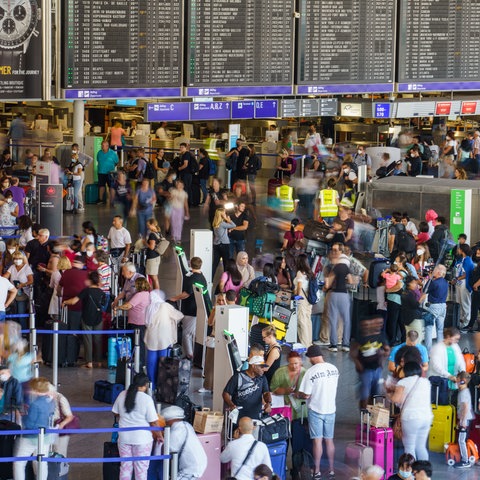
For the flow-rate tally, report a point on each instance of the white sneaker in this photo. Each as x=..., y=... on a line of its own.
x=333, y=348
x=204, y=390
x=345, y=349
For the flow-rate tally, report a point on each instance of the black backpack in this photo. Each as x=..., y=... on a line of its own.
x=261, y=285
x=193, y=165
x=149, y=170
x=303, y=465
x=427, y=153
x=405, y=242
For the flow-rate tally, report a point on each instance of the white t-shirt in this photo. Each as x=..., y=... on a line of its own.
x=416, y=405
x=453, y=143
x=301, y=280
x=5, y=286
x=142, y=414
x=320, y=382
x=20, y=275
x=119, y=238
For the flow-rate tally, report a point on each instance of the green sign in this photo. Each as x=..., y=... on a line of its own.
x=97, y=146
x=460, y=212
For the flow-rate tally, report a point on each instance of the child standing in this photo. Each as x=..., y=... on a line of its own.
x=391, y=276
x=465, y=414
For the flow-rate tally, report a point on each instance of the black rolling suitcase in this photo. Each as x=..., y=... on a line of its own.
x=317, y=231
x=453, y=314
x=111, y=470
x=6, y=448
x=47, y=345
x=196, y=192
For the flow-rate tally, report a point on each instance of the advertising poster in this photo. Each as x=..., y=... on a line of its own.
x=20, y=50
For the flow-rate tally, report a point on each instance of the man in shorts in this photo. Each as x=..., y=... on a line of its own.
x=106, y=162
x=319, y=387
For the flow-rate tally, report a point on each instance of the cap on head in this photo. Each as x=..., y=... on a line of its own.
x=314, y=351
x=173, y=413
x=257, y=360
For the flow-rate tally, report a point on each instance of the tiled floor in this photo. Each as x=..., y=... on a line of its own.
x=77, y=383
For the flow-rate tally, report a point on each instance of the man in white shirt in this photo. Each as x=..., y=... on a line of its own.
x=120, y=241
x=245, y=453
x=163, y=133
x=192, y=459
x=319, y=386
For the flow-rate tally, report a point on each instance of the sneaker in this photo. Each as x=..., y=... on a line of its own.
x=345, y=349
x=204, y=390
x=462, y=465
x=319, y=342
x=317, y=476
x=333, y=348
x=331, y=474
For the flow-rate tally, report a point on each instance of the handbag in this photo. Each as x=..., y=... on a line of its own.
x=397, y=424
x=161, y=245
x=428, y=317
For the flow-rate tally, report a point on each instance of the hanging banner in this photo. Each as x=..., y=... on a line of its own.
x=20, y=50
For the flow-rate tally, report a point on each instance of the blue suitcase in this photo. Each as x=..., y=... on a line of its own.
x=107, y=392
x=278, y=457
x=113, y=347
x=91, y=193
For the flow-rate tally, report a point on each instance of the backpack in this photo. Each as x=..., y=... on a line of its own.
x=193, y=165
x=427, y=153
x=469, y=360
x=261, y=286
x=102, y=243
x=212, y=167
x=303, y=465
x=149, y=170
x=313, y=294
x=466, y=146
x=231, y=163
x=405, y=242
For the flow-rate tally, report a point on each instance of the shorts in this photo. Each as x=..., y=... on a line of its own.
x=105, y=179
x=152, y=266
x=321, y=425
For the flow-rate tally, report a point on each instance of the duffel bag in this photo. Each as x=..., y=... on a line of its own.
x=317, y=231
x=273, y=429
x=262, y=305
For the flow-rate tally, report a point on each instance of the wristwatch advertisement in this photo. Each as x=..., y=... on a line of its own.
x=20, y=49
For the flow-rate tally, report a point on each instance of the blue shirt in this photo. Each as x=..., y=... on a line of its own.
x=421, y=348
x=438, y=291
x=39, y=413
x=106, y=161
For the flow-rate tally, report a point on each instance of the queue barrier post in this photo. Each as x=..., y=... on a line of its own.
x=41, y=443
x=33, y=341
x=174, y=468
x=136, y=355
x=166, y=451
x=55, y=356
x=36, y=370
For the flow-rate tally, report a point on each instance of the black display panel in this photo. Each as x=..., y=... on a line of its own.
x=441, y=51
x=239, y=47
x=346, y=46
x=113, y=45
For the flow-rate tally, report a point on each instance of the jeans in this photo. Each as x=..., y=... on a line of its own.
x=153, y=357
x=142, y=217
x=236, y=245
x=316, y=322
x=203, y=187
x=339, y=307
x=77, y=184
x=438, y=310
x=369, y=383
x=415, y=436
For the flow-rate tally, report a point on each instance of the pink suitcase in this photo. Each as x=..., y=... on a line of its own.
x=359, y=454
x=381, y=440
x=212, y=444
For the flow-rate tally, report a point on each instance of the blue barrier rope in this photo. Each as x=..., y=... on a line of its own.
x=91, y=409
x=17, y=459
x=20, y=432
x=18, y=315
x=86, y=332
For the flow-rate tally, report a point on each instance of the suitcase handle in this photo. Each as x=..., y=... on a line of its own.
x=362, y=416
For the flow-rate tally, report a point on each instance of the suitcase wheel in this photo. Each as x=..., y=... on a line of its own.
x=472, y=460
x=450, y=462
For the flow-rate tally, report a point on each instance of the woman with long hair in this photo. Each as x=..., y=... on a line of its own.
x=91, y=235
x=179, y=211
x=231, y=278
x=282, y=273
x=221, y=241
x=304, y=309
x=273, y=355
x=153, y=257
x=135, y=408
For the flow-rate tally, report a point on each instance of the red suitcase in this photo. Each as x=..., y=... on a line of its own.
x=212, y=444
x=381, y=440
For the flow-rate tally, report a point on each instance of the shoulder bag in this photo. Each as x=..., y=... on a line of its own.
x=161, y=244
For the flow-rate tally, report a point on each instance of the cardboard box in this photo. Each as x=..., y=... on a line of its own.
x=207, y=421
x=379, y=416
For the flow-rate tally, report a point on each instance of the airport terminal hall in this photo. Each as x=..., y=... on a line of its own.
x=239, y=240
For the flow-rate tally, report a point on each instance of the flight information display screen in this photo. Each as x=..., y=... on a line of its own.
x=239, y=47
x=441, y=48
x=346, y=46
x=122, y=48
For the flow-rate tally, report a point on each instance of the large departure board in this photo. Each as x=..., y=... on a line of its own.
x=122, y=48
x=346, y=46
x=239, y=47
x=442, y=48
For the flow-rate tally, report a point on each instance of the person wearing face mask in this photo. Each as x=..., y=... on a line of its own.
x=90, y=260
x=8, y=213
x=348, y=173
x=7, y=257
x=449, y=154
x=21, y=275
x=363, y=158
x=405, y=463
x=414, y=161
x=11, y=399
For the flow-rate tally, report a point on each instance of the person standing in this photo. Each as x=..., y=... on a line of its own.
x=16, y=133
x=18, y=195
x=178, y=208
x=221, y=241
x=363, y=158
x=120, y=241
x=463, y=269
x=204, y=173
x=143, y=203
x=253, y=164
x=186, y=169
x=135, y=408
x=238, y=233
x=106, y=162
x=304, y=308
x=123, y=193
x=437, y=300
x=319, y=387
x=328, y=202
x=85, y=160
x=75, y=169
x=116, y=137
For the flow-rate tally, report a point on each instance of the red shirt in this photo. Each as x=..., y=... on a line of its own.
x=73, y=282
